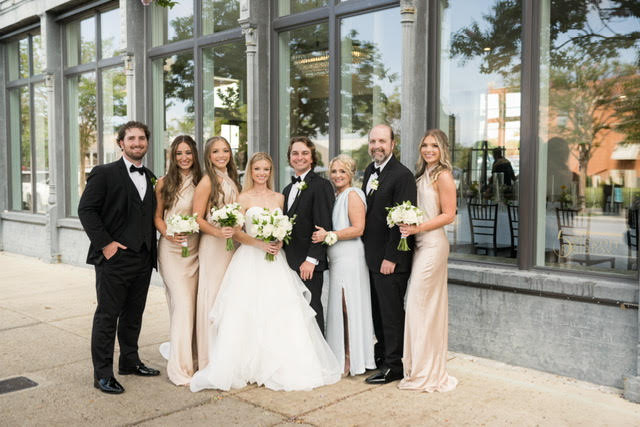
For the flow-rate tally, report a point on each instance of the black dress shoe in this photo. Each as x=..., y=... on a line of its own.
x=140, y=369
x=383, y=377
x=108, y=385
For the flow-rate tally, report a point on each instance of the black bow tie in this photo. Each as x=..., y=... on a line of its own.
x=376, y=170
x=295, y=179
x=132, y=168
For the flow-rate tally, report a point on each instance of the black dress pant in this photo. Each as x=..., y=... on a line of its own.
x=315, y=287
x=122, y=283
x=387, y=299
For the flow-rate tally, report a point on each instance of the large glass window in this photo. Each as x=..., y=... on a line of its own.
x=224, y=96
x=219, y=15
x=589, y=132
x=288, y=7
x=173, y=103
x=479, y=109
x=370, y=79
x=171, y=24
x=304, y=91
x=28, y=125
x=95, y=95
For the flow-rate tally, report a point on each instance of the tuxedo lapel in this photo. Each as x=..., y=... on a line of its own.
x=296, y=201
x=285, y=193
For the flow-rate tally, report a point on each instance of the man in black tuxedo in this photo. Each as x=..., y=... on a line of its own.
x=387, y=182
x=310, y=197
x=116, y=210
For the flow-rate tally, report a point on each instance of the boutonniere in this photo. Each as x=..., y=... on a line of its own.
x=153, y=181
x=301, y=185
x=374, y=184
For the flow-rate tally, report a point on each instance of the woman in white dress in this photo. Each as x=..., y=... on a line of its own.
x=263, y=329
x=349, y=321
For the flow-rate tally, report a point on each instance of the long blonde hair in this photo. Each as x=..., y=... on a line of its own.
x=248, y=179
x=444, y=164
x=232, y=171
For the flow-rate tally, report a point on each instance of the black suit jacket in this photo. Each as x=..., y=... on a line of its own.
x=395, y=185
x=110, y=209
x=313, y=206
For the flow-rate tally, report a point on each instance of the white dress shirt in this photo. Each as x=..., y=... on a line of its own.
x=294, y=190
x=139, y=180
x=374, y=175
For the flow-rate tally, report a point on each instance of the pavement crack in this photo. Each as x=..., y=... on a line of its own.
x=185, y=408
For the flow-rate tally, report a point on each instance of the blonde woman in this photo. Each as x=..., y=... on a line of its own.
x=218, y=187
x=263, y=329
x=349, y=321
x=427, y=311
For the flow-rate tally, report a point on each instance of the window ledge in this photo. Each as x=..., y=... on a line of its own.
x=26, y=217
x=72, y=223
x=547, y=284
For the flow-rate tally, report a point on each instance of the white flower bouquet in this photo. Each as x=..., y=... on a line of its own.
x=404, y=213
x=185, y=224
x=228, y=216
x=271, y=226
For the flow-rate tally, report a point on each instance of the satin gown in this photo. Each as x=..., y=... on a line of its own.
x=264, y=330
x=427, y=311
x=180, y=276
x=214, y=259
x=348, y=274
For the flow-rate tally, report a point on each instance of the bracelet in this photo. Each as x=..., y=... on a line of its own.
x=330, y=239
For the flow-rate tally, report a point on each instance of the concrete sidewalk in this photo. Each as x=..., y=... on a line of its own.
x=45, y=326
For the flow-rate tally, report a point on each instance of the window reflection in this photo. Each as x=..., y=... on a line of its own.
x=173, y=108
x=288, y=7
x=114, y=110
x=219, y=15
x=480, y=111
x=110, y=33
x=370, y=79
x=589, y=122
x=81, y=41
x=41, y=127
x=82, y=125
x=224, y=96
x=304, y=91
x=171, y=24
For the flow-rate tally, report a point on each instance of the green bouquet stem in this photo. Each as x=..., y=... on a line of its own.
x=185, y=251
x=269, y=257
x=230, y=246
x=403, y=245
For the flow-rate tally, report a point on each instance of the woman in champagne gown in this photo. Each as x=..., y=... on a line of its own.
x=174, y=193
x=264, y=330
x=349, y=320
x=426, y=320
x=219, y=186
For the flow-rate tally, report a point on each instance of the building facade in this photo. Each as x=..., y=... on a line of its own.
x=540, y=101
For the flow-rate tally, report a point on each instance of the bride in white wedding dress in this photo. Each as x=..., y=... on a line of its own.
x=264, y=330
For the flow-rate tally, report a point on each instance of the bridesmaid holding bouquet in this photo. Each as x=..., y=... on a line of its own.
x=174, y=193
x=218, y=187
x=427, y=311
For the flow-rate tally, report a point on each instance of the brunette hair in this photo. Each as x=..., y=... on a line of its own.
x=444, y=164
x=306, y=141
x=173, y=179
x=232, y=171
x=122, y=131
x=248, y=179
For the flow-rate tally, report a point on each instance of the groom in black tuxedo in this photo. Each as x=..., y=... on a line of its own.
x=116, y=210
x=310, y=197
x=386, y=183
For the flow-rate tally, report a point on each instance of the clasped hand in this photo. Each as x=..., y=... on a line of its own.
x=407, y=230
x=319, y=235
x=177, y=238
x=272, y=248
